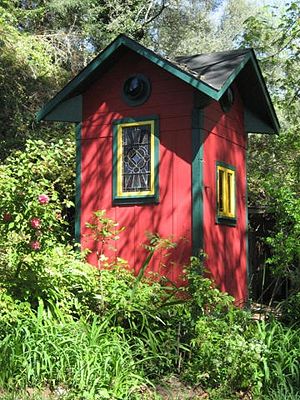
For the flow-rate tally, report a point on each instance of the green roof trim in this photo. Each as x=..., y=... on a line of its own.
x=104, y=55
x=265, y=91
x=73, y=84
x=62, y=108
x=232, y=77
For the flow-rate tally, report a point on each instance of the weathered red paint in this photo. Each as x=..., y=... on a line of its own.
x=225, y=140
x=172, y=101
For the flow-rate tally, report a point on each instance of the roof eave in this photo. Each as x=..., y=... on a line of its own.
x=275, y=128
x=123, y=40
x=49, y=111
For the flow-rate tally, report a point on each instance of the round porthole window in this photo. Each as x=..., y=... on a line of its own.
x=136, y=90
x=227, y=100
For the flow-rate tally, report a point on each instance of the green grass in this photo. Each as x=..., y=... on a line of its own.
x=127, y=346
x=281, y=358
x=86, y=357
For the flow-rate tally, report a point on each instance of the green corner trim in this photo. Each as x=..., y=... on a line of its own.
x=78, y=185
x=197, y=180
x=144, y=198
x=246, y=227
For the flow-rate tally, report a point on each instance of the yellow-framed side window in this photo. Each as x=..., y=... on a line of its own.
x=135, y=159
x=226, y=191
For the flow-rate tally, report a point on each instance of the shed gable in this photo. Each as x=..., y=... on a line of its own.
x=211, y=74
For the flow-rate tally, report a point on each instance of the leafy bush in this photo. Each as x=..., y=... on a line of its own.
x=226, y=353
x=290, y=309
x=36, y=189
x=11, y=312
x=55, y=276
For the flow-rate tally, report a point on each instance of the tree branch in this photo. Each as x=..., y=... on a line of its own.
x=163, y=6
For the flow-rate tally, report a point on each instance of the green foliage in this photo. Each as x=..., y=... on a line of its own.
x=36, y=195
x=84, y=25
x=281, y=356
x=197, y=28
x=57, y=276
x=225, y=351
x=226, y=354
x=42, y=170
x=274, y=162
x=90, y=360
x=290, y=309
x=205, y=298
x=28, y=76
x=286, y=240
x=103, y=231
x=92, y=337
x=275, y=36
x=11, y=311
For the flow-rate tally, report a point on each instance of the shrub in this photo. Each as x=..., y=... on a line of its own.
x=290, y=309
x=225, y=353
x=35, y=193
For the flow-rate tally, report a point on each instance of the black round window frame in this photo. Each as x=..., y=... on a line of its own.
x=144, y=95
x=227, y=100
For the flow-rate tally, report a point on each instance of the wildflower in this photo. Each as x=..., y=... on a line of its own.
x=7, y=217
x=103, y=258
x=35, y=223
x=43, y=199
x=35, y=245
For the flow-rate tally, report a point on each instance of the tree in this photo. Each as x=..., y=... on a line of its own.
x=274, y=162
x=199, y=26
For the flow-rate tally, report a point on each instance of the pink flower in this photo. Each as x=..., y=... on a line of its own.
x=7, y=217
x=43, y=199
x=35, y=245
x=35, y=223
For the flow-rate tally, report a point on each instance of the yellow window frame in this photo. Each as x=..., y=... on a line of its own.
x=151, y=191
x=226, y=192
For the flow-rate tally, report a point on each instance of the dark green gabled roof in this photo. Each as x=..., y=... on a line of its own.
x=211, y=74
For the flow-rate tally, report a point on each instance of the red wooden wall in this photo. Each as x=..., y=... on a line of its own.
x=225, y=140
x=172, y=101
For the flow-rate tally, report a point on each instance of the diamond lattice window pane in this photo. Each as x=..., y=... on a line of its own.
x=136, y=150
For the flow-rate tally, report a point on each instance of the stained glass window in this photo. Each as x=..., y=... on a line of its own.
x=136, y=160
x=136, y=147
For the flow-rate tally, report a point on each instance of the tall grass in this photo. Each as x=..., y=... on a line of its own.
x=281, y=358
x=93, y=360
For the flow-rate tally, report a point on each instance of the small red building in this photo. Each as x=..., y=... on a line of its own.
x=161, y=146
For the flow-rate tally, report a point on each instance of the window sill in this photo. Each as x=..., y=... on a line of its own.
x=226, y=221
